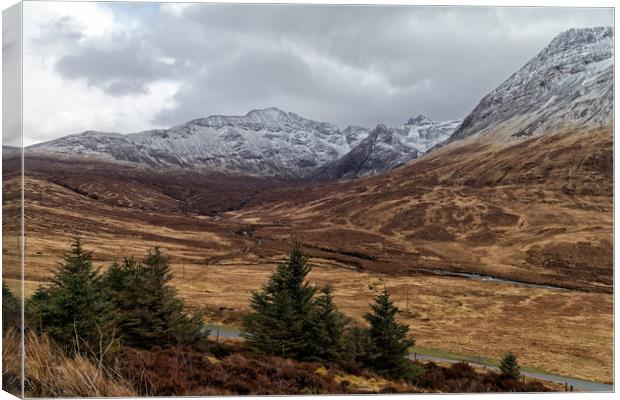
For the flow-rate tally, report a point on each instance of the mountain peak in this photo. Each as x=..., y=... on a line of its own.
x=569, y=83
x=419, y=120
x=576, y=36
x=269, y=112
x=381, y=134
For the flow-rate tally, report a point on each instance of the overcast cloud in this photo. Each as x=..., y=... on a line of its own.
x=131, y=67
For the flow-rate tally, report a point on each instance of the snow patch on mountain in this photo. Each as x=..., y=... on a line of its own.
x=569, y=84
x=262, y=142
x=386, y=148
x=421, y=133
x=267, y=142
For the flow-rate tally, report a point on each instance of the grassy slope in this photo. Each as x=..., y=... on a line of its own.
x=558, y=188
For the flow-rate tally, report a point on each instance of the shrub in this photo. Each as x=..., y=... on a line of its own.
x=11, y=310
x=357, y=346
x=509, y=366
x=460, y=370
x=462, y=378
x=413, y=372
x=182, y=371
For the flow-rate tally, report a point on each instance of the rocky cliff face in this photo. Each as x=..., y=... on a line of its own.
x=380, y=151
x=422, y=134
x=386, y=148
x=569, y=84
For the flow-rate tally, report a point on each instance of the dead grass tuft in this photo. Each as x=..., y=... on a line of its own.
x=11, y=362
x=50, y=373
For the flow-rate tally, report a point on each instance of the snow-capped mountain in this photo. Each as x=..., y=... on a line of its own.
x=268, y=142
x=569, y=84
x=421, y=133
x=263, y=142
x=354, y=134
x=385, y=148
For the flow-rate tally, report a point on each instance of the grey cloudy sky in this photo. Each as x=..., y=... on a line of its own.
x=129, y=67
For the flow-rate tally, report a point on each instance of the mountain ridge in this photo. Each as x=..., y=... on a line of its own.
x=267, y=142
x=386, y=148
x=568, y=84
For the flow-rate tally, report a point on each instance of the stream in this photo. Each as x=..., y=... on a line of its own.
x=491, y=278
x=578, y=384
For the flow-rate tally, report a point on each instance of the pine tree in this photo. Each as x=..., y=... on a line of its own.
x=389, y=343
x=74, y=309
x=327, y=339
x=282, y=322
x=357, y=346
x=11, y=310
x=509, y=366
x=147, y=310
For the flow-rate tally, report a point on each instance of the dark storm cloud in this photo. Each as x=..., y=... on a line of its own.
x=11, y=69
x=344, y=64
x=126, y=67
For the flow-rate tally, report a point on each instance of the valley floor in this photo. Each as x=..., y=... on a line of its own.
x=563, y=332
x=391, y=230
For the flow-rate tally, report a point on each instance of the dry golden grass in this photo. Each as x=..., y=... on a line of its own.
x=539, y=211
x=514, y=210
x=568, y=332
x=11, y=362
x=364, y=384
x=562, y=332
x=50, y=373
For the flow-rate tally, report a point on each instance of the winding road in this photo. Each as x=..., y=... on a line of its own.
x=577, y=384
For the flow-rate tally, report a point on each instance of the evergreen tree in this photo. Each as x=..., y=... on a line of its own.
x=388, y=338
x=147, y=310
x=283, y=318
x=509, y=366
x=357, y=346
x=327, y=338
x=11, y=310
x=74, y=309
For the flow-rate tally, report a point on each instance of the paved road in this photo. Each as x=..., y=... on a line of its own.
x=578, y=384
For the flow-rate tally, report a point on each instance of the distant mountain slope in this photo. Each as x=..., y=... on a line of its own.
x=9, y=149
x=268, y=142
x=386, y=148
x=569, y=84
x=262, y=142
x=523, y=189
x=355, y=134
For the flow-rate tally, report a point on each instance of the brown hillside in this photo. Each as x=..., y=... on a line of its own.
x=538, y=210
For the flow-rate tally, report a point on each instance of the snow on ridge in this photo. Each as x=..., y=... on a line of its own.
x=263, y=142
x=568, y=83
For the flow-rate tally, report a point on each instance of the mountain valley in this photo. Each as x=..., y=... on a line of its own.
x=520, y=191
